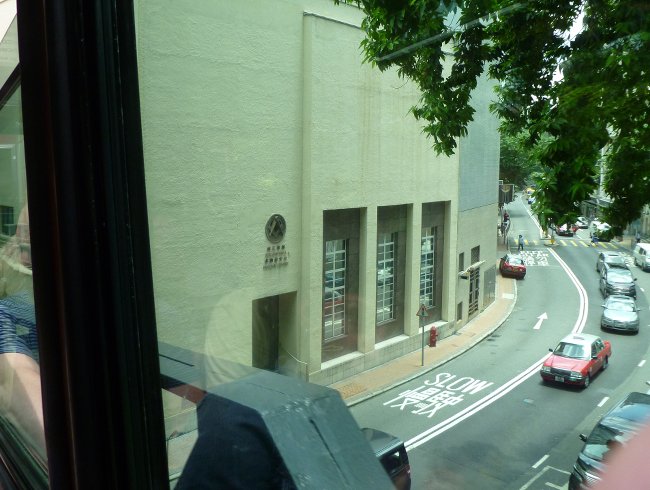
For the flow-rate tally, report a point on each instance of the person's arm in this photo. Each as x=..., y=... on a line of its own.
x=20, y=396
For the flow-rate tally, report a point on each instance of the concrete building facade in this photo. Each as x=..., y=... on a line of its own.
x=298, y=216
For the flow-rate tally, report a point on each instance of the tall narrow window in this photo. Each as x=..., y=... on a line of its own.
x=386, y=246
x=476, y=254
x=334, y=289
x=427, y=267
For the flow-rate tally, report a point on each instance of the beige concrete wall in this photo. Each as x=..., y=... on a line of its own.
x=251, y=108
x=476, y=227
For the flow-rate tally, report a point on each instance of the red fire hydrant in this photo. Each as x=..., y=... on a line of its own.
x=433, y=336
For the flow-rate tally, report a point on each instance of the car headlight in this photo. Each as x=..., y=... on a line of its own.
x=576, y=374
x=546, y=369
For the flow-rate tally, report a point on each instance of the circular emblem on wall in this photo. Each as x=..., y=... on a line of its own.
x=275, y=229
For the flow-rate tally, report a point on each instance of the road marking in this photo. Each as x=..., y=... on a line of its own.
x=540, y=319
x=641, y=363
x=545, y=470
x=603, y=401
x=542, y=459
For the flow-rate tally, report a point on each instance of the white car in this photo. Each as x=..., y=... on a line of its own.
x=593, y=226
x=603, y=227
x=582, y=222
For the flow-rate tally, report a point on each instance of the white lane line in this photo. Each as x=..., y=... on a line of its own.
x=641, y=363
x=542, y=459
x=584, y=301
x=603, y=401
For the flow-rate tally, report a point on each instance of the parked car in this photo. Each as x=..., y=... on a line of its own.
x=511, y=265
x=582, y=222
x=613, y=259
x=615, y=428
x=620, y=313
x=615, y=280
x=392, y=455
x=577, y=359
x=565, y=230
x=641, y=255
x=604, y=234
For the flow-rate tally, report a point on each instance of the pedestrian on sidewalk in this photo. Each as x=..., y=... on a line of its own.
x=638, y=237
x=520, y=243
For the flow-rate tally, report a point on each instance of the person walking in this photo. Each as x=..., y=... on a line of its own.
x=638, y=237
x=520, y=243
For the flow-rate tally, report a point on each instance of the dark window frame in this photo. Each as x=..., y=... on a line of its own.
x=90, y=245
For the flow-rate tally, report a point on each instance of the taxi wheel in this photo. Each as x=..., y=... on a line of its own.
x=587, y=381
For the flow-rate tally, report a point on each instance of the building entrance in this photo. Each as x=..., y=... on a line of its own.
x=266, y=333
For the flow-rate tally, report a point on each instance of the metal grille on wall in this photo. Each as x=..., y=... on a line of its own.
x=474, y=280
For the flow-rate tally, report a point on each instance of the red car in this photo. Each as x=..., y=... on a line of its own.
x=576, y=359
x=513, y=266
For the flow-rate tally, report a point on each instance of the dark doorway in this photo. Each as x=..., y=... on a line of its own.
x=266, y=332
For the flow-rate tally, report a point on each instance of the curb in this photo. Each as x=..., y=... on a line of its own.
x=427, y=369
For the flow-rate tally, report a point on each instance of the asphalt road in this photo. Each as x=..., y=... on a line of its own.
x=485, y=420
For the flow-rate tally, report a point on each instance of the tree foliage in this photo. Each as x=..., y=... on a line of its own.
x=597, y=112
x=519, y=160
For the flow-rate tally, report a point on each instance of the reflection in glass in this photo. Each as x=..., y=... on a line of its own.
x=21, y=411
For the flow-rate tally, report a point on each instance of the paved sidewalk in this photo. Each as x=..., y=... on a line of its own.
x=382, y=378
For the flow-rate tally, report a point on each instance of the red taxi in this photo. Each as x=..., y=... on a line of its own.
x=577, y=359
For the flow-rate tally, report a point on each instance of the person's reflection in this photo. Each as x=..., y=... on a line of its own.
x=20, y=384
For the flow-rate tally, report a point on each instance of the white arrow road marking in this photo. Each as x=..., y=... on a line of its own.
x=540, y=319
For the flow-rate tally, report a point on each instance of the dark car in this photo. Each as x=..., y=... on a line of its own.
x=620, y=313
x=613, y=259
x=615, y=280
x=512, y=266
x=392, y=455
x=615, y=428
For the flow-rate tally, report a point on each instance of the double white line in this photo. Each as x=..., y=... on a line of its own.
x=511, y=384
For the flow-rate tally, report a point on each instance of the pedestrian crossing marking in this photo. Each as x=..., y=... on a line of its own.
x=566, y=243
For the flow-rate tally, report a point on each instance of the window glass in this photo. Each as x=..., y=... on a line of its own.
x=427, y=270
x=386, y=277
x=334, y=289
x=21, y=411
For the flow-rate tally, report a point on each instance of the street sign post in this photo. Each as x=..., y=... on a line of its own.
x=422, y=313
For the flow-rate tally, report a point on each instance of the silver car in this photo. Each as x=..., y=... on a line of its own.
x=613, y=259
x=620, y=313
